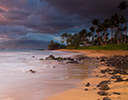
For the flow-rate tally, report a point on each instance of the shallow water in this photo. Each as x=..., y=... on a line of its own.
x=17, y=83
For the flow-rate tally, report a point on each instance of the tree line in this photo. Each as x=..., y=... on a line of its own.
x=112, y=30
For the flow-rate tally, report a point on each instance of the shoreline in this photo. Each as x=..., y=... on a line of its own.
x=79, y=93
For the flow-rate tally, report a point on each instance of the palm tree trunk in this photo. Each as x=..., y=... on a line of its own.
x=111, y=35
x=99, y=39
x=125, y=33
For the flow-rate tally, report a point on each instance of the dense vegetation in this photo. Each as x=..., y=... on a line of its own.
x=108, y=34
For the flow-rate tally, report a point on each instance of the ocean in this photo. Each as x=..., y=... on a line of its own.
x=18, y=83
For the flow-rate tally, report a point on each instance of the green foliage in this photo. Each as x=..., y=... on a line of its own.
x=54, y=46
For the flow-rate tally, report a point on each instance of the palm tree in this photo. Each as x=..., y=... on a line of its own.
x=95, y=22
x=83, y=35
x=66, y=37
x=122, y=6
x=116, y=25
x=89, y=36
x=112, y=22
x=92, y=29
x=105, y=25
x=98, y=31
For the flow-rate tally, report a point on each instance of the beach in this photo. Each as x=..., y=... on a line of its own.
x=117, y=91
x=26, y=75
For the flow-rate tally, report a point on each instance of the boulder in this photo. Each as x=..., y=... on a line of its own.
x=104, y=86
x=119, y=79
x=102, y=83
x=102, y=93
x=51, y=57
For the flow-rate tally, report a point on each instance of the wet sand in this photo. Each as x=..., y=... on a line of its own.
x=79, y=93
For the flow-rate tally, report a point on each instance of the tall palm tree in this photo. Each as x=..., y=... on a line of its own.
x=83, y=35
x=98, y=31
x=116, y=26
x=66, y=37
x=112, y=22
x=95, y=22
x=92, y=29
x=122, y=6
x=89, y=36
x=105, y=25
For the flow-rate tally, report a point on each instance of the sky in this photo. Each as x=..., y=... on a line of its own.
x=37, y=22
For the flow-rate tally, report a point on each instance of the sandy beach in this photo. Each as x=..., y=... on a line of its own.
x=117, y=91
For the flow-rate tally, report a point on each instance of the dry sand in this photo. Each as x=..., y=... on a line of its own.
x=79, y=93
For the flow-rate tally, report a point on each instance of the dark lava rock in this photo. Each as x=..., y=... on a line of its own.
x=114, y=76
x=72, y=61
x=107, y=70
x=102, y=71
x=106, y=98
x=32, y=71
x=86, y=89
x=116, y=93
x=104, y=86
x=102, y=83
x=88, y=84
x=102, y=93
x=120, y=62
x=119, y=79
x=83, y=58
x=51, y=57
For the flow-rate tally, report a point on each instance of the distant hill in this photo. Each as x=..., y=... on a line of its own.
x=24, y=44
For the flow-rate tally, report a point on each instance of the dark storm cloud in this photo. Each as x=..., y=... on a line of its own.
x=20, y=17
x=86, y=8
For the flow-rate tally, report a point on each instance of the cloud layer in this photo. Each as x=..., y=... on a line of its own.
x=18, y=18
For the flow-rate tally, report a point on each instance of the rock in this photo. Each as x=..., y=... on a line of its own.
x=119, y=79
x=126, y=80
x=32, y=71
x=86, y=89
x=107, y=70
x=116, y=93
x=88, y=84
x=51, y=57
x=114, y=76
x=104, y=86
x=102, y=71
x=102, y=83
x=102, y=76
x=102, y=93
x=72, y=61
x=97, y=75
x=106, y=98
x=119, y=62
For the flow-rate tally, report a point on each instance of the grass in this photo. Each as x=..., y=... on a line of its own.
x=107, y=47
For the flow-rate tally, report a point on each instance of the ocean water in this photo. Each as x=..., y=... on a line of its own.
x=18, y=83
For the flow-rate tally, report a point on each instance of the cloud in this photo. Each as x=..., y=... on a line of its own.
x=38, y=19
x=41, y=37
